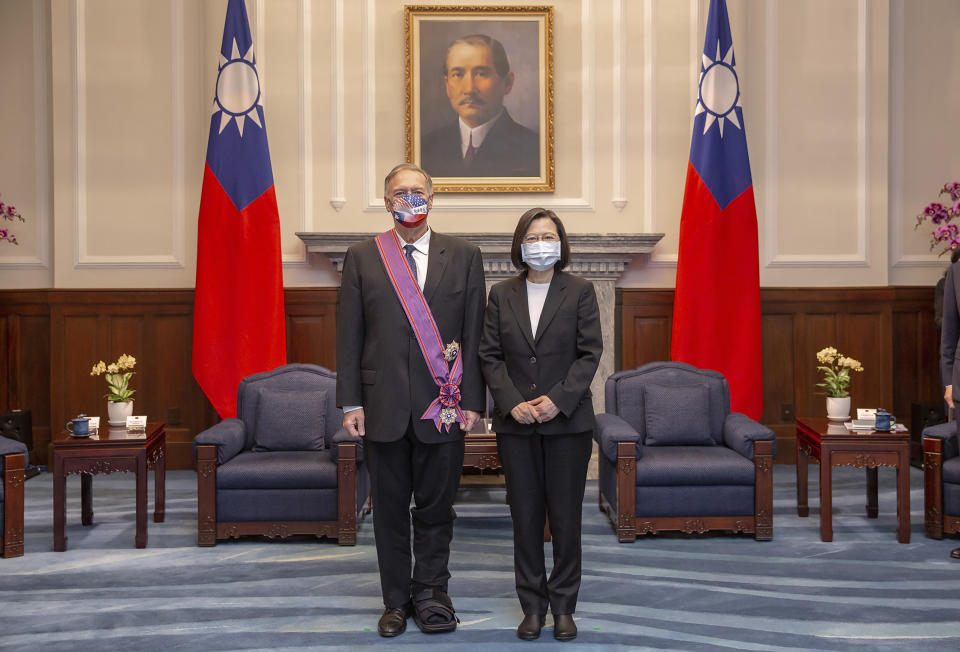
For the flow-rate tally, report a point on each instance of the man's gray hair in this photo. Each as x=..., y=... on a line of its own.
x=407, y=166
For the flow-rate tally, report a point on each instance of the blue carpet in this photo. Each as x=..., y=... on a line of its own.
x=863, y=591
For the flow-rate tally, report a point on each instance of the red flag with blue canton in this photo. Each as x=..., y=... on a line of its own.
x=238, y=318
x=716, y=310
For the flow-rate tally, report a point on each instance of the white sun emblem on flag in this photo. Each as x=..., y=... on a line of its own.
x=719, y=91
x=238, y=90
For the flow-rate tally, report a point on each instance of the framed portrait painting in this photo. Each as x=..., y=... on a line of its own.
x=479, y=96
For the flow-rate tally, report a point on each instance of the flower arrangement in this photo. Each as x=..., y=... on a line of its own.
x=118, y=377
x=944, y=231
x=9, y=213
x=836, y=369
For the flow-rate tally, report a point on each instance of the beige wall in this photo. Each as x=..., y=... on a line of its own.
x=850, y=117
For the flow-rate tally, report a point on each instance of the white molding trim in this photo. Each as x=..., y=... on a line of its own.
x=305, y=123
x=896, y=168
x=368, y=44
x=619, y=74
x=338, y=108
x=861, y=258
x=480, y=202
x=771, y=168
x=178, y=137
x=649, y=126
x=82, y=259
x=41, y=144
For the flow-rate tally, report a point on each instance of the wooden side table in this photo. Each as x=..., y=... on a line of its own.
x=111, y=450
x=832, y=445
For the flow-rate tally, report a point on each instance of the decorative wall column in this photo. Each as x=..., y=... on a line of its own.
x=600, y=258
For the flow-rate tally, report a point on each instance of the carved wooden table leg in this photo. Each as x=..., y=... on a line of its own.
x=903, y=495
x=826, y=494
x=872, y=508
x=141, y=478
x=86, y=499
x=803, y=509
x=160, y=483
x=59, y=505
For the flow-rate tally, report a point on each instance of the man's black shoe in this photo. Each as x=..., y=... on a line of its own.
x=530, y=626
x=393, y=622
x=955, y=553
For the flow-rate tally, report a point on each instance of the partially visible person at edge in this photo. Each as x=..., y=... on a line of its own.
x=950, y=345
x=540, y=349
x=412, y=426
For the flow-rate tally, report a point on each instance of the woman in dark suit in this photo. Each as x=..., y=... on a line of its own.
x=539, y=350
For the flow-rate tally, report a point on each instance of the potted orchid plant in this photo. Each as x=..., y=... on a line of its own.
x=836, y=369
x=118, y=374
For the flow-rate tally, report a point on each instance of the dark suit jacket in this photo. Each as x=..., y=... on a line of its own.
x=379, y=363
x=560, y=360
x=950, y=331
x=509, y=150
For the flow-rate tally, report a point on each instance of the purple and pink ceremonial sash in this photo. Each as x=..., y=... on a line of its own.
x=446, y=407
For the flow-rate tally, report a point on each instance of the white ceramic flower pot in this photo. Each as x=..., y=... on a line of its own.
x=838, y=408
x=117, y=412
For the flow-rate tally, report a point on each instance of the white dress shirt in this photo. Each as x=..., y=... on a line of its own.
x=477, y=133
x=536, y=297
x=421, y=255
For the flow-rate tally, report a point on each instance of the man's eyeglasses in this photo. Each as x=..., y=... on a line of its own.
x=546, y=237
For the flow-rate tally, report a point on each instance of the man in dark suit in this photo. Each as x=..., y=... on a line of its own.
x=384, y=387
x=485, y=141
x=950, y=345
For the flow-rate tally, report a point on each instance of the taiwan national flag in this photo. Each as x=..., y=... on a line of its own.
x=716, y=314
x=238, y=319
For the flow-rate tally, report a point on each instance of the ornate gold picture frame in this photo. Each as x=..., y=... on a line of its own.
x=479, y=96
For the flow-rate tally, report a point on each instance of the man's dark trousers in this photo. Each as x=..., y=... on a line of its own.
x=431, y=472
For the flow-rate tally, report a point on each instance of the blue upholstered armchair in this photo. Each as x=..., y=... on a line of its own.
x=285, y=466
x=13, y=461
x=673, y=456
x=941, y=480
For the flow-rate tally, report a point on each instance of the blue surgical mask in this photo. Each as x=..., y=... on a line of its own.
x=540, y=255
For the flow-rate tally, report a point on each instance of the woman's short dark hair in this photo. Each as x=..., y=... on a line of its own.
x=516, y=252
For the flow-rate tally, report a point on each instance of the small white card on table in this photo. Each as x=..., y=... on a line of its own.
x=136, y=423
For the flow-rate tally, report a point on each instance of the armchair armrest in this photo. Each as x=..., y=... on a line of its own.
x=344, y=437
x=12, y=447
x=947, y=434
x=611, y=430
x=228, y=436
x=740, y=432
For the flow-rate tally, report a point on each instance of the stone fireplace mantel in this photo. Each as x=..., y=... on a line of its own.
x=599, y=257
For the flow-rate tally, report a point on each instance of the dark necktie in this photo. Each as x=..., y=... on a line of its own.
x=408, y=251
x=471, y=152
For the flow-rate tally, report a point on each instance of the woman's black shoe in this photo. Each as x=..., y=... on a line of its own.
x=564, y=629
x=530, y=626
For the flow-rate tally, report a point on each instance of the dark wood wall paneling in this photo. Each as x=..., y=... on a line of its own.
x=49, y=339
x=891, y=330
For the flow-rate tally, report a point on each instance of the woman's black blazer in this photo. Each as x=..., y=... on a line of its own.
x=559, y=360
